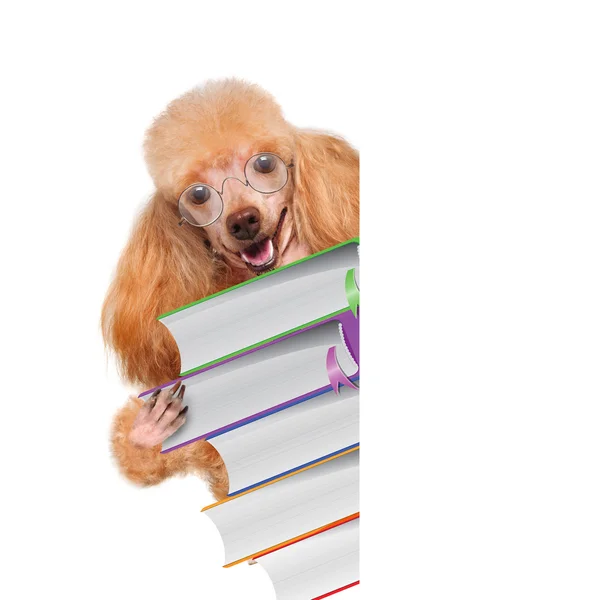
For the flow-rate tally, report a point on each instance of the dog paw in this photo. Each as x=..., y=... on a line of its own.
x=161, y=416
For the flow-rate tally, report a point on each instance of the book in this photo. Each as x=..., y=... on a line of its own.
x=316, y=567
x=265, y=307
x=289, y=509
x=271, y=369
x=288, y=370
x=290, y=439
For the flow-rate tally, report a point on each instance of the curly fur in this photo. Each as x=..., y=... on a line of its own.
x=164, y=266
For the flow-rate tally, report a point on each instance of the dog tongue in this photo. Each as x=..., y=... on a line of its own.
x=258, y=254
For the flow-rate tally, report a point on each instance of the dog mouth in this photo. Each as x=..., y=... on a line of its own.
x=261, y=256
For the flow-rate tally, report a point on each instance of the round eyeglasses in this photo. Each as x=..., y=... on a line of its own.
x=201, y=204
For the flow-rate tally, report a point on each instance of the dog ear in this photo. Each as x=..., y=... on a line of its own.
x=163, y=267
x=326, y=199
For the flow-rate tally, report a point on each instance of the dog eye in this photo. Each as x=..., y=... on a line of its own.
x=200, y=194
x=265, y=163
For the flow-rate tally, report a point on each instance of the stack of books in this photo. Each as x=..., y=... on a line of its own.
x=271, y=368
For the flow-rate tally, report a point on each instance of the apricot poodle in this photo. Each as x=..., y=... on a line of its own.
x=238, y=191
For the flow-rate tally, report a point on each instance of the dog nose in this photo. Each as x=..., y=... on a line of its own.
x=244, y=224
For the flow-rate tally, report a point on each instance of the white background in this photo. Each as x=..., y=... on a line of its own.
x=477, y=130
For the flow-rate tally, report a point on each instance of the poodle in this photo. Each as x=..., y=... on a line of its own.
x=238, y=191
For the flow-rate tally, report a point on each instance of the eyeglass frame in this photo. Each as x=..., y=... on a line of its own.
x=245, y=183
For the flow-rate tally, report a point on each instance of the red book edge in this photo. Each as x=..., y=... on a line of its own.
x=345, y=587
x=308, y=536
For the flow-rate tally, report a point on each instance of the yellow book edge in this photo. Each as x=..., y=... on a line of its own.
x=230, y=498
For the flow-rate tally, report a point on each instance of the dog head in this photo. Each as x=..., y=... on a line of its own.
x=225, y=152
